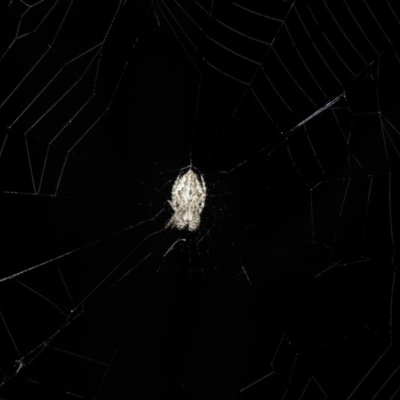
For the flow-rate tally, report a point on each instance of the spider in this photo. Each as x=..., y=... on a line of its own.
x=188, y=200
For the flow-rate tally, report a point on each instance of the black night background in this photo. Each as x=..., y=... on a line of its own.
x=288, y=288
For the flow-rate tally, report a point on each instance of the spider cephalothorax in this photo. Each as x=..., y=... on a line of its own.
x=188, y=199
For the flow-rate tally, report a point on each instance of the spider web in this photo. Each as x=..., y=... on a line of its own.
x=288, y=289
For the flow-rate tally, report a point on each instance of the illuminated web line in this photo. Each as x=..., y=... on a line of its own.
x=328, y=106
x=274, y=372
x=78, y=309
x=97, y=50
x=307, y=67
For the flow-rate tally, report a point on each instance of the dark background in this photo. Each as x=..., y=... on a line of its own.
x=288, y=289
